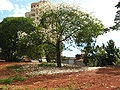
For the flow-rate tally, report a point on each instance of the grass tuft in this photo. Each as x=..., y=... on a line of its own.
x=11, y=79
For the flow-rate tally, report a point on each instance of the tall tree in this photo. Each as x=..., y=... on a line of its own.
x=63, y=23
x=12, y=29
x=117, y=18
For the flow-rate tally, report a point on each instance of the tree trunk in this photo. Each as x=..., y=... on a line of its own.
x=58, y=54
x=48, y=58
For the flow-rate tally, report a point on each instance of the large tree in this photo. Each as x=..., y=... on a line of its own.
x=65, y=24
x=12, y=30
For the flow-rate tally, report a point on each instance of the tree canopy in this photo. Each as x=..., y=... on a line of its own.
x=67, y=24
x=12, y=30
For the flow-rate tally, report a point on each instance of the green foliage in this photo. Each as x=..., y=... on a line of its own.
x=11, y=79
x=112, y=52
x=117, y=62
x=32, y=44
x=89, y=31
x=12, y=30
x=102, y=56
x=67, y=24
x=46, y=65
x=50, y=52
x=117, y=18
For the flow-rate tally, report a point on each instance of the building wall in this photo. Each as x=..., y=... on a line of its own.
x=73, y=62
x=37, y=10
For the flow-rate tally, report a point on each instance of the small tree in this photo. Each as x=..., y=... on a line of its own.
x=101, y=56
x=112, y=52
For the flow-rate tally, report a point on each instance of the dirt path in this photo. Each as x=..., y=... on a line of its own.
x=102, y=79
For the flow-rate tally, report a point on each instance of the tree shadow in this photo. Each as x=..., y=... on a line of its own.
x=112, y=70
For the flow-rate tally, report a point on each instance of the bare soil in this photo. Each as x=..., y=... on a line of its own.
x=107, y=78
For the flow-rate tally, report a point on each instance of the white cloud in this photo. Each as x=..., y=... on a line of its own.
x=6, y=5
x=103, y=9
x=114, y=35
x=20, y=12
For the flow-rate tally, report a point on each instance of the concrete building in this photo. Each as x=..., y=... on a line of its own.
x=37, y=9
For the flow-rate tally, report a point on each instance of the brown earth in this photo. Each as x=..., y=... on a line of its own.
x=107, y=78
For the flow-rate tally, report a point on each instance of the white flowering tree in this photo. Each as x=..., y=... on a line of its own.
x=66, y=24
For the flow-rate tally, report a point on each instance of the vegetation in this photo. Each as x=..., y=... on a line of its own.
x=12, y=30
x=11, y=79
x=102, y=56
x=66, y=24
x=117, y=18
x=13, y=67
x=58, y=25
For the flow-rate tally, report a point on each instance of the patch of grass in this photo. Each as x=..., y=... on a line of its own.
x=6, y=81
x=19, y=78
x=13, y=67
x=11, y=79
x=46, y=65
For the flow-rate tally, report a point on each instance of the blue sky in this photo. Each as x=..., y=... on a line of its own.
x=102, y=9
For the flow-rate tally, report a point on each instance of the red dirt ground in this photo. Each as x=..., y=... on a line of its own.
x=102, y=79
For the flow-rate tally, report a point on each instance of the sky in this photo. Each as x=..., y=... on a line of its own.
x=104, y=10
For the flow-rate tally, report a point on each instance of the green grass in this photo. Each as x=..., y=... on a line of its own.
x=13, y=67
x=19, y=78
x=11, y=79
x=46, y=65
x=6, y=81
